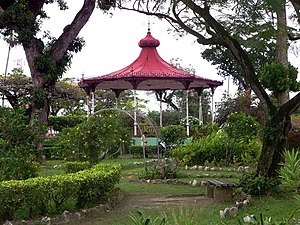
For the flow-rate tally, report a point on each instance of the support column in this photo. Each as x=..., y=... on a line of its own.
x=212, y=105
x=88, y=104
x=200, y=110
x=134, y=114
x=93, y=103
x=5, y=73
x=159, y=94
x=187, y=114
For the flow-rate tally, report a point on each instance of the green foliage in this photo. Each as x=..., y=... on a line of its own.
x=50, y=194
x=142, y=219
x=192, y=121
x=160, y=169
x=17, y=145
x=278, y=78
x=242, y=102
x=170, y=117
x=137, y=151
x=171, y=134
x=214, y=148
x=39, y=98
x=101, y=135
x=73, y=167
x=290, y=170
x=240, y=126
x=61, y=122
x=200, y=131
x=257, y=185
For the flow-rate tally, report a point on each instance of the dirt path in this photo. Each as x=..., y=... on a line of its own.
x=133, y=202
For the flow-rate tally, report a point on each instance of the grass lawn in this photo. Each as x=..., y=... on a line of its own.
x=161, y=200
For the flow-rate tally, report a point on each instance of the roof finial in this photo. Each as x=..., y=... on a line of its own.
x=148, y=24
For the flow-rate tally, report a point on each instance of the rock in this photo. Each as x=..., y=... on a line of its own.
x=206, y=168
x=46, y=220
x=248, y=219
x=203, y=183
x=226, y=212
x=222, y=215
x=194, y=183
x=7, y=223
x=77, y=216
x=240, y=169
x=239, y=205
x=186, y=167
x=233, y=211
x=200, y=167
x=66, y=216
x=213, y=169
x=247, y=169
x=246, y=202
x=194, y=167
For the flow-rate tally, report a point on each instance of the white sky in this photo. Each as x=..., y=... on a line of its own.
x=112, y=43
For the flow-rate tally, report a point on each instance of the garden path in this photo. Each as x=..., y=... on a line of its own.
x=133, y=202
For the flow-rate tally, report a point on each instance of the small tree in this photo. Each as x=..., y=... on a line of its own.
x=101, y=135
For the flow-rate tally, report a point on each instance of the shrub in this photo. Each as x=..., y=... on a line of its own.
x=101, y=135
x=17, y=145
x=216, y=147
x=210, y=148
x=257, y=185
x=137, y=151
x=293, y=139
x=61, y=122
x=44, y=195
x=290, y=170
x=160, y=169
x=73, y=167
x=172, y=134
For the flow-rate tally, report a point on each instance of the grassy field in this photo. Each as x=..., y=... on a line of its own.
x=178, y=204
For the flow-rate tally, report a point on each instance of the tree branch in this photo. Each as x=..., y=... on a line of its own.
x=240, y=55
x=35, y=6
x=296, y=5
x=72, y=30
x=291, y=106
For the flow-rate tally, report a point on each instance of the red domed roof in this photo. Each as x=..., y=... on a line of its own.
x=148, y=72
x=149, y=41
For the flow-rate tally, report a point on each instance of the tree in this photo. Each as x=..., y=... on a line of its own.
x=67, y=97
x=48, y=58
x=196, y=18
x=16, y=87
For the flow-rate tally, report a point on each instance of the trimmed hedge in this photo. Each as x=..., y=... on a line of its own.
x=137, y=151
x=73, y=167
x=20, y=199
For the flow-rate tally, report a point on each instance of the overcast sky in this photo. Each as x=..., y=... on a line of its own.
x=112, y=43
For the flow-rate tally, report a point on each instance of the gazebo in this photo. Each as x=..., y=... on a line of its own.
x=149, y=72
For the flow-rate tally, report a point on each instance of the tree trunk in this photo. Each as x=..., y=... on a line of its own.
x=274, y=143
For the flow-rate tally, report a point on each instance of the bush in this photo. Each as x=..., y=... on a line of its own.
x=137, y=151
x=257, y=185
x=17, y=145
x=100, y=136
x=60, y=122
x=44, y=195
x=172, y=134
x=73, y=167
x=216, y=147
x=293, y=139
x=290, y=170
x=160, y=169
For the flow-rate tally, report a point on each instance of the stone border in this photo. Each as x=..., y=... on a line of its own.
x=68, y=217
